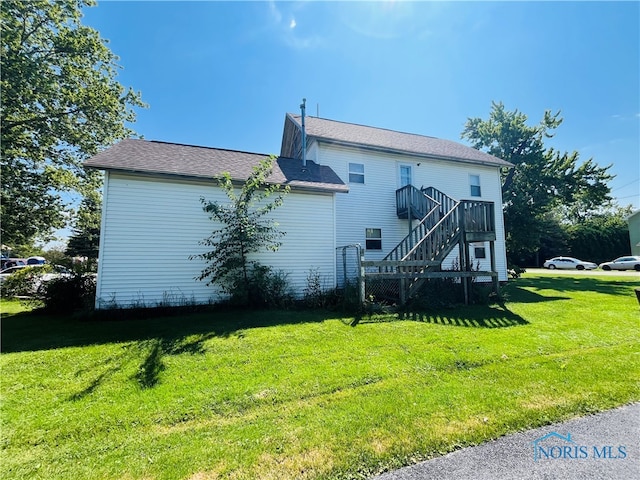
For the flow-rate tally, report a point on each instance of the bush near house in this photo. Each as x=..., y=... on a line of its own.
x=70, y=294
x=26, y=282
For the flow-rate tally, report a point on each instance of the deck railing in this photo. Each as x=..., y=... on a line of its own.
x=437, y=208
x=435, y=244
x=414, y=200
x=479, y=217
x=446, y=203
x=444, y=223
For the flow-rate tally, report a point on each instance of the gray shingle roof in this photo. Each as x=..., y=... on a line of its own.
x=152, y=157
x=392, y=141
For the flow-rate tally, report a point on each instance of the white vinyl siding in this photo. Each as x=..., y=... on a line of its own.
x=375, y=202
x=151, y=226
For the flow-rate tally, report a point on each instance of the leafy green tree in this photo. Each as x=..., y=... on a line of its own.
x=85, y=240
x=60, y=104
x=57, y=256
x=542, y=180
x=245, y=229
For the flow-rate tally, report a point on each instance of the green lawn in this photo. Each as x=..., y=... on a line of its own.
x=307, y=395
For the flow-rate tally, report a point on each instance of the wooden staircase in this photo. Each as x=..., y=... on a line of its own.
x=428, y=241
x=444, y=223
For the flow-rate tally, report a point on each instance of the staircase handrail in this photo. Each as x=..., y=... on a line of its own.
x=445, y=200
x=417, y=233
x=439, y=225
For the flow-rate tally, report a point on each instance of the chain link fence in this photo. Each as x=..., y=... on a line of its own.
x=348, y=265
x=350, y=279
x=389, y=283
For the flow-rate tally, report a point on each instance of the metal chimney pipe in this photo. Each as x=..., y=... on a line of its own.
x=304, y=134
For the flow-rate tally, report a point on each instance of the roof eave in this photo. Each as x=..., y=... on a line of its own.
x=408, y=152
x=294, y=185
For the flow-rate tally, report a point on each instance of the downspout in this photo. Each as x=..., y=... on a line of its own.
x=304, y=134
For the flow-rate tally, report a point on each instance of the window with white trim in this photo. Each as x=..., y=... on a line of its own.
x=356, y=173
x=479, y=251
x=373, y=238
x=405, y=175
x=474, y=182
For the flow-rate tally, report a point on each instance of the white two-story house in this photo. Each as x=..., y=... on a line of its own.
x=410, y=204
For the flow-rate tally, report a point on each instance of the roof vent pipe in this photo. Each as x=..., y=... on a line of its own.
x=304, y=134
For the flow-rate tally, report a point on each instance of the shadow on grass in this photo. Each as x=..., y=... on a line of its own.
x=578, y=284
x=94, y=384
x=176, y=334
x=518, y=293
x=152, y=352
x=186, y=333
x=147, y=341
x=473, y=316
x=149, y=372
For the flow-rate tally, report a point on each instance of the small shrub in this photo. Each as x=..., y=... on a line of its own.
x=348, y=298
x=69, y=294
x=482, y=294
x=265, y=287
x=26, y=282
x=314, y=296
x=437, y=292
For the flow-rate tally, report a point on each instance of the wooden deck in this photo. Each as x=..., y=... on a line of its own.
x=444, y=223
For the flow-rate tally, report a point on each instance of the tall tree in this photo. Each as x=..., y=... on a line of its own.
x=542, y=179
x=85, y=240
x=244, y=230
x=60, y=104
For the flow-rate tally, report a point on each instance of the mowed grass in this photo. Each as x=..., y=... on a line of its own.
x=289, y=394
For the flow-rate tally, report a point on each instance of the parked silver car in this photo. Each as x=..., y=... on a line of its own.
x=622, y=263
x=57, y=272
x=4, y=273
x=569, y=263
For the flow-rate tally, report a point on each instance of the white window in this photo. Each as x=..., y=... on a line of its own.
x=374, y=239
x=356, y=173
x=474, y=181
x=405, y=175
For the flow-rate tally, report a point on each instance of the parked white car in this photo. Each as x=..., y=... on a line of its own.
x=57, y=272
x=4, y=274
x=622, y=263
x=569, y=263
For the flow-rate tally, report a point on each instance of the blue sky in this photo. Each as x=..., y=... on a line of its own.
x=224, y=74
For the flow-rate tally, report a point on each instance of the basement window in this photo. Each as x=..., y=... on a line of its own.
x=374, y=239
x=356, y=173
x=479, y=251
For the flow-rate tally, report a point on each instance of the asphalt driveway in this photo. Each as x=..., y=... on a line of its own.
x=601, y=446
